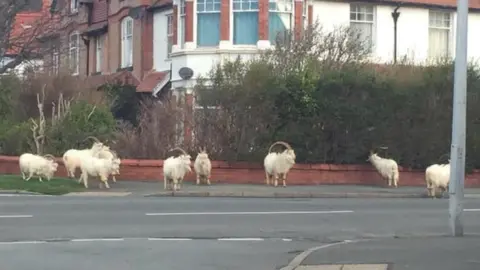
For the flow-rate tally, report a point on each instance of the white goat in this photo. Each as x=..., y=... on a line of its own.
x=72, y=157
x=203, y=167
x=387, y=168
x=175, y=169
x=107, y=153
x=31, y=165
x=97, y=167
x=437, y=176
x=277, y=165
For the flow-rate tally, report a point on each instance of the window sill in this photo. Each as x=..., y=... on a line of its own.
x=129, y=68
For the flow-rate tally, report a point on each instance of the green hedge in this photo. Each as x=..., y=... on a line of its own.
x=336, y=115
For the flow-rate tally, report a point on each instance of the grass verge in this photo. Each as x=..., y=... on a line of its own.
x=56, y=186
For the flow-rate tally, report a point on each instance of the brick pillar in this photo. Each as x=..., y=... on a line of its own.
x=187, y=126
x=263, y=41
x=189, y=24
x=147, y=41
x=310, y=15
x=225, y=23
x=175, y=24
x=298, y=19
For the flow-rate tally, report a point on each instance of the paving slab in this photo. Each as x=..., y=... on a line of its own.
x=439, y=253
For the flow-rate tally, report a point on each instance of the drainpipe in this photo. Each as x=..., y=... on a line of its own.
x=395, y=15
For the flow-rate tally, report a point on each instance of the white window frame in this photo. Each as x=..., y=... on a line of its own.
x=181, y=18
x=99, y=53
x=74, y=49
x=74, y=6
x=249, y=8
x=169, y=34
x=355, y=9
x=127, y=29
x=448, y=29
x=283, y=7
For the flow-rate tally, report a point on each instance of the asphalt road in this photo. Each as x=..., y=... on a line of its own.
x=210, y=233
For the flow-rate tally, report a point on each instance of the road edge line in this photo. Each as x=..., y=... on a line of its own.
x=302, y=256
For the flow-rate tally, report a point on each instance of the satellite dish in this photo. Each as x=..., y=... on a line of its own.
x=185, y=73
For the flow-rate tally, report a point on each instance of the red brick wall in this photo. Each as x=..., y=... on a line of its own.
x=175, y=22
x=188, y=21
x=298, y=19
x=263, y=20
x=310, y=14
x=225, y=19
x=252, y=173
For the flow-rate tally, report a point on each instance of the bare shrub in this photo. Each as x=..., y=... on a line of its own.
x=156, y=133
x=63, y=86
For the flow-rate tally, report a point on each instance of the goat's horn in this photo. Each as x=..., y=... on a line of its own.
x=179, y=149
x=279, y=142
x=94, y=138
x=49, y=156
x=113, y=153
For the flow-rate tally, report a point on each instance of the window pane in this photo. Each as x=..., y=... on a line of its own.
x=370, y=17
x=209, y=6
x=237, y=6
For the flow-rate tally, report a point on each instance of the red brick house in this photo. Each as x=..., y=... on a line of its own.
x=103, y=39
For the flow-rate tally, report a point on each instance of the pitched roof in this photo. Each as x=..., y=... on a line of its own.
x=150, y=81
x=27, y=26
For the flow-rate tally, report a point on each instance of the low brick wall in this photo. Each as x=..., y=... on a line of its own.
x=252, y=173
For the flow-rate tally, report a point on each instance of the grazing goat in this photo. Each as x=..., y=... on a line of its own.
x=31, y=165
x=387, y=168
x=277, y=165
x=72, y=157
x=107, y=153
x=175, y=169
x=97, y=167
x=203, y=167
x=437, y=176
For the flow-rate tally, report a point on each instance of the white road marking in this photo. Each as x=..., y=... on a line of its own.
x=97, y=240
x=471, y=210
x=286, y=239
x=15, y=216
x=240, y=239
x=23, y=242
x=248, y=213
x=301, y=257
x=169, y=239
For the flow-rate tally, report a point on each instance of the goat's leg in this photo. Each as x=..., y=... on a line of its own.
x=23, y=175
x=198, y=179
x=208, y=180
x=30, y=174
x=84, y=178
x=284, y=180
x=276, y=180
x=164, y=182
x=40, y=179
x=267, y=179
x=113, y=178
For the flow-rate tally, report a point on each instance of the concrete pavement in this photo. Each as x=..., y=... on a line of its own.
x=438, y=253
x=203, y=233
x=155, y=189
